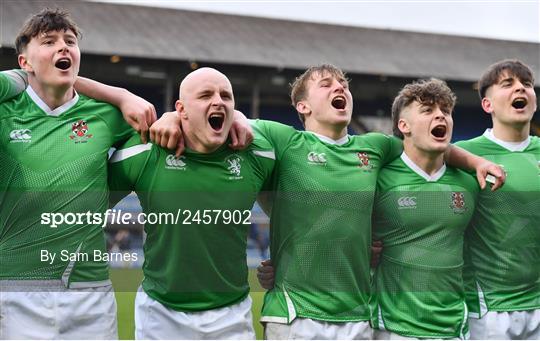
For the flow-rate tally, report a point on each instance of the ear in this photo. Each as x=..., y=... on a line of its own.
x=24, y=63
x=181, y=109
x=303, y=108
x=487, y=105
x=404, y=127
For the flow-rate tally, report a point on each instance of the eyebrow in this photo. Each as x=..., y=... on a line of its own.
x=507, y=79
x=204, y=92
x=325, y=79
x=328, y=78
x=52, y=33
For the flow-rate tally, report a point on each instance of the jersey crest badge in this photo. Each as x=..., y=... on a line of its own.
x=234, y=166
x=458, y=202
x=365, y=163
x=79, y=132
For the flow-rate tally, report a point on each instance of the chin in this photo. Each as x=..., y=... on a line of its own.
x=440, y=147
x=344, y=121
x=216, y=142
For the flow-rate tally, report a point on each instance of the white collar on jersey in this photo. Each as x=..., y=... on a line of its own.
x=328, y=140
x=415, y=168
x=56, y=112
x=511, y=146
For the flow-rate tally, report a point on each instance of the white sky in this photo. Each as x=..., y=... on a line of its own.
x=512, y=20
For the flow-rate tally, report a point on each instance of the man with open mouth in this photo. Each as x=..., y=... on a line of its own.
x=422, y=209
x=195, y=282
x=502, y=272
x=53, y=152
x=324, y=185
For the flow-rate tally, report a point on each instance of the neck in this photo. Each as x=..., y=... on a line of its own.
x=429, y=162
x=515, y=133
x=194, y=143
x=333, y=132
x=52, y=96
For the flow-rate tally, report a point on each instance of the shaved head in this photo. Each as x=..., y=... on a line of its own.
x=193, y=80
x=206, y=108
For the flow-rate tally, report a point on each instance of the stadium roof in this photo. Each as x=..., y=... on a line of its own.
x=169, y=34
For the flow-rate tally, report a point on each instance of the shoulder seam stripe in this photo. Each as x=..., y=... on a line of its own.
x=270, y=154
x=123, y=154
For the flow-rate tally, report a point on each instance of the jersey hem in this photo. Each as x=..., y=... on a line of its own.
x=274, y=319
x=172, y=307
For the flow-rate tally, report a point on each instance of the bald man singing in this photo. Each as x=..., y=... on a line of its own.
x=196, y=214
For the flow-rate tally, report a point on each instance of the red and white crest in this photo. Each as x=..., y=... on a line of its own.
x=458, y=200
x=79, y=128
x=79, y=131
x=364, y=159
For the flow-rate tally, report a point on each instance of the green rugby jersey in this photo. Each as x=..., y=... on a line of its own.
x=503, y=244
x=321, y=222
x=198, y=260
x=421, y=219
x=54, y=161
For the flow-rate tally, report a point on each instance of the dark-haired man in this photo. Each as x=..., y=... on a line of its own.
x=53, y=153
x=502, y=251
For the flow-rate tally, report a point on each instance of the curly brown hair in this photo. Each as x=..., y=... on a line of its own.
x=299, y=86
x=426, y=92
x=45, y=21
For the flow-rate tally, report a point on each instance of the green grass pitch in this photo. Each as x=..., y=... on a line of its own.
x=126, y=282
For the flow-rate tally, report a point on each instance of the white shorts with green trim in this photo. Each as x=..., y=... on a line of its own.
x=48, y=310
x=154, y=321
x=509, y=325
x=308, y=329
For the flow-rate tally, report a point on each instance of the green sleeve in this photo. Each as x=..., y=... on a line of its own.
x=12, y=83
x=126, y=166
x=264, y=156
x=119, y=130
x=277, y=134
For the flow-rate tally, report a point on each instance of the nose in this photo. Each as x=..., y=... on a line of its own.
x=338, y=87
x=519, y=87
x=63, y=46
x=439, y=114
x=217, y=100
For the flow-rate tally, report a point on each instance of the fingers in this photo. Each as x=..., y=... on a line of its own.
x=171, y=143
x=266, y=262
x=151, y=115
x=234, y=137
x=265, y=274
x=248, y=137
x=164, y=141
x=181, y=146
x=143, y=130
x=481, y=177
x=499, y=180
x=157, y=139
x=153, y=133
